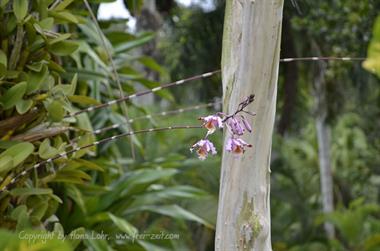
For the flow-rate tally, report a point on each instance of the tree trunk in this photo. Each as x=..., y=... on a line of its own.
x=323, y=139
x=250, y=61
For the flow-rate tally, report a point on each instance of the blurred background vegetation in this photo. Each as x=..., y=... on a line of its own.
x=54, y=60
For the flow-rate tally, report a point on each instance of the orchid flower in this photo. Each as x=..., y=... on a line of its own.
x=211, y=123
x=236, y=145
x=204, y=146
x=235, y=126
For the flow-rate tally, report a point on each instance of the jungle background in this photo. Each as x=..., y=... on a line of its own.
x=55, y=59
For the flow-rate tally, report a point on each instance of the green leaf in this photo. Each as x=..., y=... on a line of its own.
x=122, y=47
x=23, y=106
x=74, y=193
x=134, y=6
x=3, y=71
x=3, y=3
x=83, y=100
x=138, y=178
x=3, y=58
x=89, y=165
x=37, y=78
x=39, y=210
x=63, y=4
x=372, y=63
x=71, y=176
x=72, y=237
x=47, y=23
x=26, y=191
x=64, y=48
x=55, y=111
x=6, y=163
x=176, y=212
x=20, y=9
x=18, y=153
x=13, y=95
x=60, y=38
x=36, y=66
x=46, y=151
x=168, y=193
x=123, y=225
x=64, y=16
x=153, y=65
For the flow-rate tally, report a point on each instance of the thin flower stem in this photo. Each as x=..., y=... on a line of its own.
x=138, y=94
x=285, y=60
x=18, y=176
x=241, y=107
x=149, y=116
x=204, y=75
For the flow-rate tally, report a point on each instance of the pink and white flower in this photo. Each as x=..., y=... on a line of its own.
x=211, y=123
x=236, y=145
x=235, y=126
x=204, y=147
x=238, y=125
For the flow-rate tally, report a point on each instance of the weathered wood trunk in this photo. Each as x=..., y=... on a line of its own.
x=323, y=139
x=250, y=61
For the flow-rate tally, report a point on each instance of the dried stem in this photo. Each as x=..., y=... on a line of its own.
x=18, y=176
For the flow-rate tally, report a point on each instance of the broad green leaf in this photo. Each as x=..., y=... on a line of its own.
x=36, y=66
x=3, y=58
x=168, y=193
x=55, y=111
x=13, y=95
x=149, y=246
x=18, y=211
x=36, y=78
x=122, y=47
x=140, y=177
x=60, y=38
x=46, y=23
x=134, y=6
x=20, y=9
x=63, y=4
x=176, y=212
x=6, y=163
x=89, y=29
x=3, y=3
x=89, y=165
x=56, y=67
x=26, y=191
x=153, y=65
x=72, y=237
x=46, y=151
x=64, y=48
x=71, y=176
x=83, y=100
x=74, y=193
x=64, y=16
x=372, y=63
x=18, y=152
x=85, y=48
x=3, y=71
x=23, y=106
x=123, y=225
x=97, y=244
x=39, y=210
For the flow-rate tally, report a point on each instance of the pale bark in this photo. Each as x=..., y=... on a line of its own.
x=250, y=61
x=323, y=139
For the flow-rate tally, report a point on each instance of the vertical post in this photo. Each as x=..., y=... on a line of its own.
x=323, y=139
x=250, y=61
